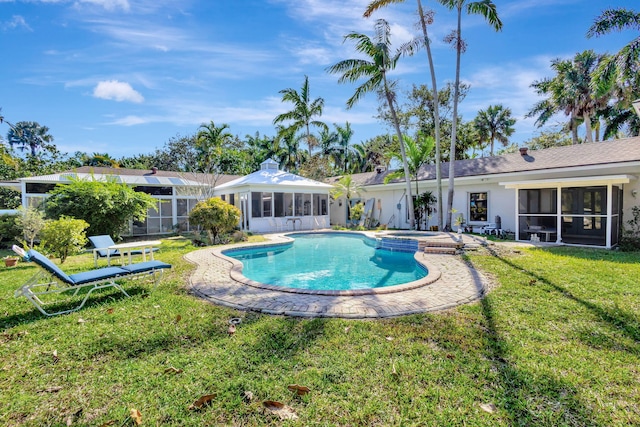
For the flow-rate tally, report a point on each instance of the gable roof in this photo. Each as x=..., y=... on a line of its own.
x=271, y=177
x=611, y=152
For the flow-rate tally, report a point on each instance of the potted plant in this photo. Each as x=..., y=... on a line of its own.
x=10, y=260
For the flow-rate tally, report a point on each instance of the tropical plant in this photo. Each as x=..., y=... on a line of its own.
x=99, y=159
x=210, y=141
x=64, y=236
x=379, y=62
x=303, y=112
x=495, y=123
x=107, y=206
x=424, y=207
x=425, y=19
x=215, y=216
x=346, y=187
x=488, y=10
x=419, y=152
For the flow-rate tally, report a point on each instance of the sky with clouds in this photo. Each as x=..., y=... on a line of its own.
x=125, y=76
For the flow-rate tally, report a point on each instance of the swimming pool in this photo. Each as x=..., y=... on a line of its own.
x=320, y=262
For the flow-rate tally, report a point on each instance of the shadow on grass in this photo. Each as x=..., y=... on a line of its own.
x=520, y=391
x=596, y=254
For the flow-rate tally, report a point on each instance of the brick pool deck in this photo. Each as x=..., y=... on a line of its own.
x=458, y=284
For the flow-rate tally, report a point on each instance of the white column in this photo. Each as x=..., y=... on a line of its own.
x=559, y=214
x=609, y=210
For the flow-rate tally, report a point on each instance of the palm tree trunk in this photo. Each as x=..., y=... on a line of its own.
x=454, y=125
x=403, y=151
x=589, y=131
x=574, y=129
x=436, y=113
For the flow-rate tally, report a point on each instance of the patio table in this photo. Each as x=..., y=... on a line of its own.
x=128, y=248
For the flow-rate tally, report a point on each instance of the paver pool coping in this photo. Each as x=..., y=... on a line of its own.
x=218, y=279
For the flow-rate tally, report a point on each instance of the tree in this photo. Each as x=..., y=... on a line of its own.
x=487, y=9
x=380, y=61
x=215, y=216
x=346, y=187
x=623, y=68
x=29, y=136
x=107, y=206
x=99, y=159
x=419, y=152
x=495, y=123
x=303, y=112
x=210, y=141
x=31, y=221
x=570, y=91
x=65, y=236
x=425, y=19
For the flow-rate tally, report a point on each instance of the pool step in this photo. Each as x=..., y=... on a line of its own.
x=440, y=250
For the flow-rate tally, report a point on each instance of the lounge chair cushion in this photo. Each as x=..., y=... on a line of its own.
x=141, y=267
x=48, y=265
x=101, y=243
x=96, y=275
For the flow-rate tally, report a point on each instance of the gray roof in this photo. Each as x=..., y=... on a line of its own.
x=611, y=152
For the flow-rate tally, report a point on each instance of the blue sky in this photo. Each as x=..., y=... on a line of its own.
x=124, y=76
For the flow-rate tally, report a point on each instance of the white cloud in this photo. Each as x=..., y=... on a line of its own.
x=117, y=91
x=15, y=22
x=109, y=4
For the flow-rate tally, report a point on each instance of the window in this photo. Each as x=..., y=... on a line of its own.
x=278, y=204
x=154, y=191
x=319, y=204
x=266, y=204
x=478, y=208
x=298, y=204
x=39, y=188
x=256, y=201
x=306, y=204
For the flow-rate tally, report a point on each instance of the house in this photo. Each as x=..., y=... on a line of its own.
x=580, y=194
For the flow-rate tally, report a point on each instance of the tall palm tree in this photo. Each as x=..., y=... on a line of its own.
x=488, y=10
x=346, y=187
x=342, y=152
x=380, y=61
x=424, y=20
x=303, y=113
x=495, y=123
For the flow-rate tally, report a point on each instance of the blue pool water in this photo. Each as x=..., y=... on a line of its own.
x=328, y=261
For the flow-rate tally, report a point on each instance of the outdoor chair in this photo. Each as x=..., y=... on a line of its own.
x=51, y=280
x=101, y=249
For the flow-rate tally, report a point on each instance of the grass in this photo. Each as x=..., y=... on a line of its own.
x=557, y=342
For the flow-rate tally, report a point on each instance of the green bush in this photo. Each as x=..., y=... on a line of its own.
x=65, y=236
x=215, y=216
x=106, y=206
x=30, y=221
x=9, y=230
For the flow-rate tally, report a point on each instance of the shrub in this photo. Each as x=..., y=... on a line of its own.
x=215, y=216
x=65, y=236
x=106, y=206
x=31, y=222
x=9, y=230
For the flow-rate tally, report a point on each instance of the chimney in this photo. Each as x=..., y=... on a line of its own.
x=154, y=170
x=379, y=169
x=523, y=151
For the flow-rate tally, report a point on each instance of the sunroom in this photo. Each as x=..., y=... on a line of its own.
x=272, y=200
x=582, y=211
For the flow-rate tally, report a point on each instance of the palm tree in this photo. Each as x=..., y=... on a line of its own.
x=343, y=150
x=210, y=141
x=622, y=67
x=375, y=68
x=346, y=187
x=495, y=123
x=571, y=91
x=99, y=159
x=419, y=152
x=28, y=136
x=303, y=113
x=487, y=9
x=377, y=4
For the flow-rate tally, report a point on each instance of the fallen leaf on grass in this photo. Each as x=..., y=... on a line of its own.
x=109, y=310
x=393, y=368
x=136, y=416
x=81, y=320
x=55, y=356
x=450, y=356
x=299, y=389
x=108, y=423
x=231, y=330
x=389, y=338
x=202, y=401
x=488, y=407
x=53, y=389
x=247, y=396
x=178, y=318
x=283, y=411
x=173, y=370
x=347, y=329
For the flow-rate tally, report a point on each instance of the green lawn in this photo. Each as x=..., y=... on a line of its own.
x=557, y=342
